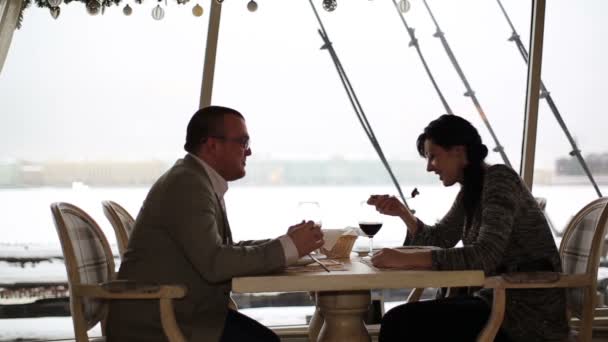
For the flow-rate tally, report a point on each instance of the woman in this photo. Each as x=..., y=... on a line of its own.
x=502, y=230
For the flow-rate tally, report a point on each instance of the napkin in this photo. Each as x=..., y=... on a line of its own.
x=331, y=236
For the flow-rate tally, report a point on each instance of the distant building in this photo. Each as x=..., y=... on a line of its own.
x=333, y=172
x=66, y=173
x=99, y=173
x=597, y=163
x=9, y=173
x=262, y=173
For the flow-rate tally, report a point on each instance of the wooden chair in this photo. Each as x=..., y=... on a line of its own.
x=121, y=221
x=90, y=266
x=417, y=293
x=123, y=224
x=580, y=255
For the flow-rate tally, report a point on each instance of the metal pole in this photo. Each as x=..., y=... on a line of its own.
x=469, y=93
x=414, y=43
x=533, y=92
x=9, y=17
x=544, y=93
x=210, y=54
x=350, y=92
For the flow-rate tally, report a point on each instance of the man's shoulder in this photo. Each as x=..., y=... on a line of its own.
x=186, y=167
x=185, y=174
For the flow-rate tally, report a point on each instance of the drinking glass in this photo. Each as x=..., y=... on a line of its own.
x=309, y=211
x=370, y=222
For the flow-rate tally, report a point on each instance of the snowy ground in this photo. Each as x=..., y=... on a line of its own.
x=50, y=328
x=32, y=329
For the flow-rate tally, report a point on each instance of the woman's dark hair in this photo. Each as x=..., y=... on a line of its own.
x=205, y=123
x=449, y=131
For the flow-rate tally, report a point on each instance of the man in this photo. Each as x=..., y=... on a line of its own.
x=182, y=236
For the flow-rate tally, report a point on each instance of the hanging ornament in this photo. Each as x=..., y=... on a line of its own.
x=404, y=6
x=158, y=12
x=55, y=12
x=197, y=10
x=139, y=2
x=93, y=7
x=127, y=10
x=54, y=3
x=252, y=6
x=329, y=5
x=182, y=2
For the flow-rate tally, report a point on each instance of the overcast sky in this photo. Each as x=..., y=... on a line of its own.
x=117, y=88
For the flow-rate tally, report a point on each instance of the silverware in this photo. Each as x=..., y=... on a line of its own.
x=318, y=262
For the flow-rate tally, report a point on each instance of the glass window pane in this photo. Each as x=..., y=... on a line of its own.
x=306, y=136
x=573, y=67
x=93, y=108
x=96, y=108
x=270, y=66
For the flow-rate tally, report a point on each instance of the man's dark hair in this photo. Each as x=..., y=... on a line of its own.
x=205, y=123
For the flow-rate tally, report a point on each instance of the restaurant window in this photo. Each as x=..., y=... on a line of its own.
x=95, y=108
x=305, y=133
x=573, y=72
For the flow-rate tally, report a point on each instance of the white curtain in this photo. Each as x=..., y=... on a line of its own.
x=9, y=13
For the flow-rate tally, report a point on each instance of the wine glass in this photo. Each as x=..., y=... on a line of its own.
x=309, y=211
x=370, y=222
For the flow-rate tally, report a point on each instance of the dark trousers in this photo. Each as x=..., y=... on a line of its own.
x=240, y=328
x=449, y=319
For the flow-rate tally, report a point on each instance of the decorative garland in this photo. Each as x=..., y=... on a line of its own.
x=95, y=7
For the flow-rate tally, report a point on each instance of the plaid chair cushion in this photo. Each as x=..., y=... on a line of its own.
x=125, y=219
x=575, y=255
x=91, y=259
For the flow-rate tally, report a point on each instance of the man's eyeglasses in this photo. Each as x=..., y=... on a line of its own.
x=242, y=141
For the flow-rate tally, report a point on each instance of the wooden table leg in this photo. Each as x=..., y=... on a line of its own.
x=316, y=321
x=343, y=313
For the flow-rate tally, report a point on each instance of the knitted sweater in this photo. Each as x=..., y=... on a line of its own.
x=508, y=233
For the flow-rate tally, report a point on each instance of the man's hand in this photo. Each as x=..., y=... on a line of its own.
x=306, y=236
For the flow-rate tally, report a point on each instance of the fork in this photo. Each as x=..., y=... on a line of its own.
x=318, y=262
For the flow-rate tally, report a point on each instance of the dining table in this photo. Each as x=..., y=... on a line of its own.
x=343, y=295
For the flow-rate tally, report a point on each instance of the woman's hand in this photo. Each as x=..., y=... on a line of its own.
x=390, y=205
x=392, y=258
x=387, y=205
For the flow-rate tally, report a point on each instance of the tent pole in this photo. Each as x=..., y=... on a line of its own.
x=533, y=94
x=210, y=54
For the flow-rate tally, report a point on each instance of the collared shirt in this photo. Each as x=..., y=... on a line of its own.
x=220, y=187
x=219, y=184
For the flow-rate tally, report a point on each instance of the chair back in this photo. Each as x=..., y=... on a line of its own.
x=121, y=221
x=88, y=260
x=580, y=251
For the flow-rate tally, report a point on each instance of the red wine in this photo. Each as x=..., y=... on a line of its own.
x=370, y=228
